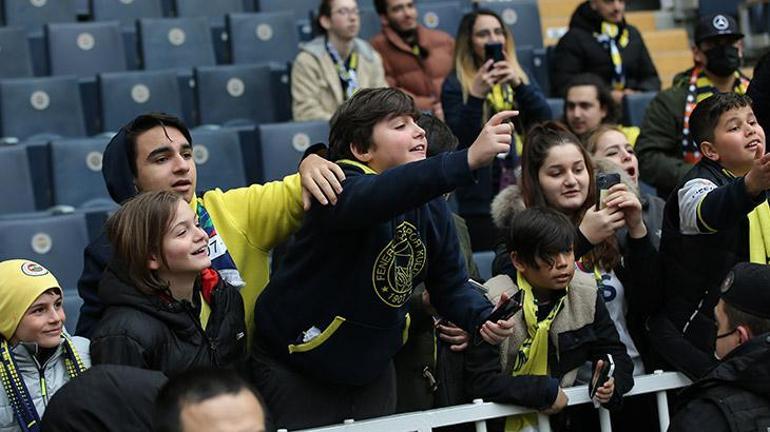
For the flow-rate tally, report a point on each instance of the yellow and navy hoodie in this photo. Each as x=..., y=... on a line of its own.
x=705, y=233
x=337, y=307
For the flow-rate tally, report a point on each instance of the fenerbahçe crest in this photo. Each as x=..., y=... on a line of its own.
x=398, y=263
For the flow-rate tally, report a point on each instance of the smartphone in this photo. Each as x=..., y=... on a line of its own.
x=604, y=181
x=494, y=51
x=602, y=375
x=479, y=287
x=507, y=309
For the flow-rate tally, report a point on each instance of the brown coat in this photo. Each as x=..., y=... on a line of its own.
x=420, y=77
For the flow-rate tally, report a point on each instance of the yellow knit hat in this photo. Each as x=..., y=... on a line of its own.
x=21, y=283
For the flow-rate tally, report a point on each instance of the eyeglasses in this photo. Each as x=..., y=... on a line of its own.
x=724, y=335
x=346, y=12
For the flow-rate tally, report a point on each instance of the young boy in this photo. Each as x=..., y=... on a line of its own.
x=718, y=216
x=33, y=344
x=330, y=322
x=563, y=323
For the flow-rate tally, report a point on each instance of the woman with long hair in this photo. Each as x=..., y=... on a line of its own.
x=478, y=88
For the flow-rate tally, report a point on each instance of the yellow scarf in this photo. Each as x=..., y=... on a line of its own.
x=501, y=97
x=532, y=358
x=759, y=234
x=615, y=39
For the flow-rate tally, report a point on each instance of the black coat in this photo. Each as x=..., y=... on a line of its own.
x=159, y=333
x=735, y=396
x=578, y=52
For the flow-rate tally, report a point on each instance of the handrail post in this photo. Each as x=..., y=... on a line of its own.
x=662, y=400
x=604, y=420
x=481, y=425
x=543, y=423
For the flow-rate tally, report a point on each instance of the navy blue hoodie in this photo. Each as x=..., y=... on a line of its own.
x=337, y=308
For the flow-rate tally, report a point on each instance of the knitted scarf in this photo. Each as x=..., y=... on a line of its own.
x=13, y=383
x=614, y=38
x=218, y=253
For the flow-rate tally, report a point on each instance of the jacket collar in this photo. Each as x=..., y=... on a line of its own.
x=394, y=38
x=317, y=47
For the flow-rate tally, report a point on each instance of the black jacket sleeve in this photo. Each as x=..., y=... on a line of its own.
x=642, y=270
x=728, y=205
x=645, y=76
x=95, y=259
x=119, y=349
x=608, y=342
x=484, y=379
x=699, y=415
x=567, y=61
x=532, y=104
x=464, y=118
x=669, y=343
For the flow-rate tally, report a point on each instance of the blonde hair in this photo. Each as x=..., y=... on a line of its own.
x=593, y=140
x=465, y=60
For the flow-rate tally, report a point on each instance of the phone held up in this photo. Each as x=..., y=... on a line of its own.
x=601, y=375
x=604, y=181
x=493, y=51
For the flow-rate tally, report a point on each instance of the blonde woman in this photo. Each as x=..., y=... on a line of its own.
x=476, y=89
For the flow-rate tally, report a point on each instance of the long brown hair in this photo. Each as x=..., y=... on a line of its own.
x=465, y=60
x=136, y=232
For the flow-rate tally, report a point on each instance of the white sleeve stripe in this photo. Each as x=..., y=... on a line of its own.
x=690, y=197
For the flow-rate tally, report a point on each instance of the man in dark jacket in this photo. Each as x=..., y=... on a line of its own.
x=416, y=59
x=600, y=41
x=735, y=396
x=665, y=147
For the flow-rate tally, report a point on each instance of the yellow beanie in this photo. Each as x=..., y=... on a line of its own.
x=21, y=283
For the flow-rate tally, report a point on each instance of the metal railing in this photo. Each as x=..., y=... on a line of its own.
x=479, y=411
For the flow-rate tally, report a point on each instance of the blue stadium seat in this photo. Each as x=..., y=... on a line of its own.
x=445, y=15
x=218, y=159
x=85, y=49
x=557, y=107
x=523, y=19
x=77, y=172
x=234, y=93
x=15, y=58
x=56, y=242
x=125, y=12
x=708, y=7
x=176, y=43
x=34, y=107
x=281, y=145
x=16, y=181
x=125, y=95
x=72, y=303
x=484, y=261
x=370, y=23
x=214, y=10
x=634, y=107
x=33, y=14
x=541, y=64
x=303, y=9
x=262, y=37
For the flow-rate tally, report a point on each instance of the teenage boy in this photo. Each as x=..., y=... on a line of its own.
x=718, y=216
x=735, y=396
x=154, y=152
x=562, y=324
x=416, y=58
x=330, y=322
x=37, y=356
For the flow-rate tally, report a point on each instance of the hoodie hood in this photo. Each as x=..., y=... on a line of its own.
x=116, y=168
x=587, y=19
x=747, y=367
x=505, y=205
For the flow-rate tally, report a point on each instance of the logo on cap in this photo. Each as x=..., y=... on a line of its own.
x=720, y=22
x=728, y=282
x=33, y=269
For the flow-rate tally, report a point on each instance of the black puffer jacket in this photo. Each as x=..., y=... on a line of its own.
x=159, y=333
x=734, y=397
x=578, y=51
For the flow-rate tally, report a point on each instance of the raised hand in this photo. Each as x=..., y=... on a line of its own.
x=320, y=179
x=495, y=138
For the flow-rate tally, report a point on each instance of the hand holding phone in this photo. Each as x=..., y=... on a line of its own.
x=604, y=370
x=494, y=51
x=507, y=307
x=604, y=181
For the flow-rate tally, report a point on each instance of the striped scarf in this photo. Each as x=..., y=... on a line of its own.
x=613, y=38
x=218, y=253
x=13, y=383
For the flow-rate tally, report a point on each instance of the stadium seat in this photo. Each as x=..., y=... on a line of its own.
x=540, y=69
x=218, y=159
x=15, y=58
x=77, y=172
x=523, y=19
x=56, y=242
x=634, y=107
x=262, y=37
x=557, y=107
x=34, y=107
x=214, y=10
x=303, y=9
x=443, y=16
x=125, y=95
x=85, y=49
x=16, y=180
x=281, y=145
x=127, y=12
x=176, y=43
x=34, y=14
x=72, y=303
x=484, y=261
x=234, y=93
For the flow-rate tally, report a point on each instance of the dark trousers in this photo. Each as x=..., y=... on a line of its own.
x=296, y=400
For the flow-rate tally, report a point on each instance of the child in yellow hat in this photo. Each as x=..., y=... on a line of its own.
x=37, y=356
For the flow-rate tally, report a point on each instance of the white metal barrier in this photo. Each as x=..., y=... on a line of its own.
x=479, y=411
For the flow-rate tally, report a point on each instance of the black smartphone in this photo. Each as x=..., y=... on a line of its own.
x=506, y=309
x=604, y=181
x=493, y=51
x=602, y=375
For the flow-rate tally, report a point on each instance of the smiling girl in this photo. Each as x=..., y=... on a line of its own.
x=37, y=356
x=168, y=309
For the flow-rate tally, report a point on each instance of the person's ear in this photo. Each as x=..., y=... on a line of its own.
x=153, y=263
x=744, y=334
x=709, y=150
x=383, y=20
x=325, y=22
x=363, y=156
x=517, y=263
